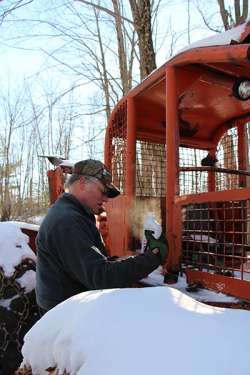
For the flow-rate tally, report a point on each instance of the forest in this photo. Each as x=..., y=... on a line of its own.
x=65, y=65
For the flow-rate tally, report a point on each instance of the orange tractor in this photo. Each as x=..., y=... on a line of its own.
x=178, y=144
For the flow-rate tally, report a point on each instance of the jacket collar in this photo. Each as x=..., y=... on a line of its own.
x=85, y=210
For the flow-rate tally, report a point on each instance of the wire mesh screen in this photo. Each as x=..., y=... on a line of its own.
x=118, y=144
x=216, y=237
x=191, y=182
x=228, y=157
x=150, y=169
x=227, y=172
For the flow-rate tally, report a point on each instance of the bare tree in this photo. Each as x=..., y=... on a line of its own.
x=25, y=133
x=9, y=7
x=97, y=46
x=125, y=72
x=232, y=17
x=229, y=16
x=142, y=24
x=12, y=121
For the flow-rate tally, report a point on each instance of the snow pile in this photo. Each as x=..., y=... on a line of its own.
x=18, y=309
x=13, y=247
x=32, y=223
x=219, y=39
x=139, y=331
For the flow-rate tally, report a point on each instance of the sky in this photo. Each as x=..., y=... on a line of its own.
x=23, y=43
x=26, y=40
x=17, y=45
x=130, y=331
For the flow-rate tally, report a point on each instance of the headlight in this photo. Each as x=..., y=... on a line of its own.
x=241, y=88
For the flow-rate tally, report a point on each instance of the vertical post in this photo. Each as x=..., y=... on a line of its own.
x=211, y=175
x=172, y=162
x=130, y=173
x=56, y=183
x=242, y=152
x=243, y=163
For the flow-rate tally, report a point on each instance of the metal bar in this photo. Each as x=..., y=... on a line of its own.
x=148, y=136
x=242, y=153
x=211, y=175
x=218, y=54
x=130, y=177
x=151, y=80
x=217, y=196
x=214, y=169
x=196, y=143
x=172, y=144
x=56, y=183
x=220, y=283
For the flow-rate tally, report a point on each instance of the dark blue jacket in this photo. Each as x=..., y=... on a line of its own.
x=71, y=257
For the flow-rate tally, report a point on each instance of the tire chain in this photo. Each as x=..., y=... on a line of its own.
x=17, y=319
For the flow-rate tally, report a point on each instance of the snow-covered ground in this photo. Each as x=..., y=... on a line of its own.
x=145, y=331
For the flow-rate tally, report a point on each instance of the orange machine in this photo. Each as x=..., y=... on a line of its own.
x=178, y=145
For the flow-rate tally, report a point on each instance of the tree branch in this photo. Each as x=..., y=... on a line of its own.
x=106, y=10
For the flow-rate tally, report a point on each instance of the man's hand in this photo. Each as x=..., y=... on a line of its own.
x=157, y=246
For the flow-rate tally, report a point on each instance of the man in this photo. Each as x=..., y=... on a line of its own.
x=71, y=257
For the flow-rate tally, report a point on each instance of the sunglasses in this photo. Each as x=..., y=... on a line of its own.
x=101, y=187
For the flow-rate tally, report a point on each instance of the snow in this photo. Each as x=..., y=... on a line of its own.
x=204, y=295
x=130, y=331
x=6, y=302
x=67, y=163
x=22, y=224
x=139, y=331
x=28, y=281
x=219, y=39
x=202, y=238
x=13, y=247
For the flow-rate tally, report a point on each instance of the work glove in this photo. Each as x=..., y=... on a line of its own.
x=160, y=244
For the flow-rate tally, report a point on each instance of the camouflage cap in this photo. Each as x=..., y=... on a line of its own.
x=95, y=168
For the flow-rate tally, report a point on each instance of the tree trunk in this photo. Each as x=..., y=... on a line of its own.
x=141, y=11
x=121, y=48
x=240, y=15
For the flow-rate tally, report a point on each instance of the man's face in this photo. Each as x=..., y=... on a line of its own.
x=94, y=195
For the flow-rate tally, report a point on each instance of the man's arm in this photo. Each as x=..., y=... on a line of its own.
x=86, y=264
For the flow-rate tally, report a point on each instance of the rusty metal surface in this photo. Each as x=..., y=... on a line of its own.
x=116, y=223
x=204, y=89
x=220, y=283
x=175, y=117
x=32, y=237
x=56, y=183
